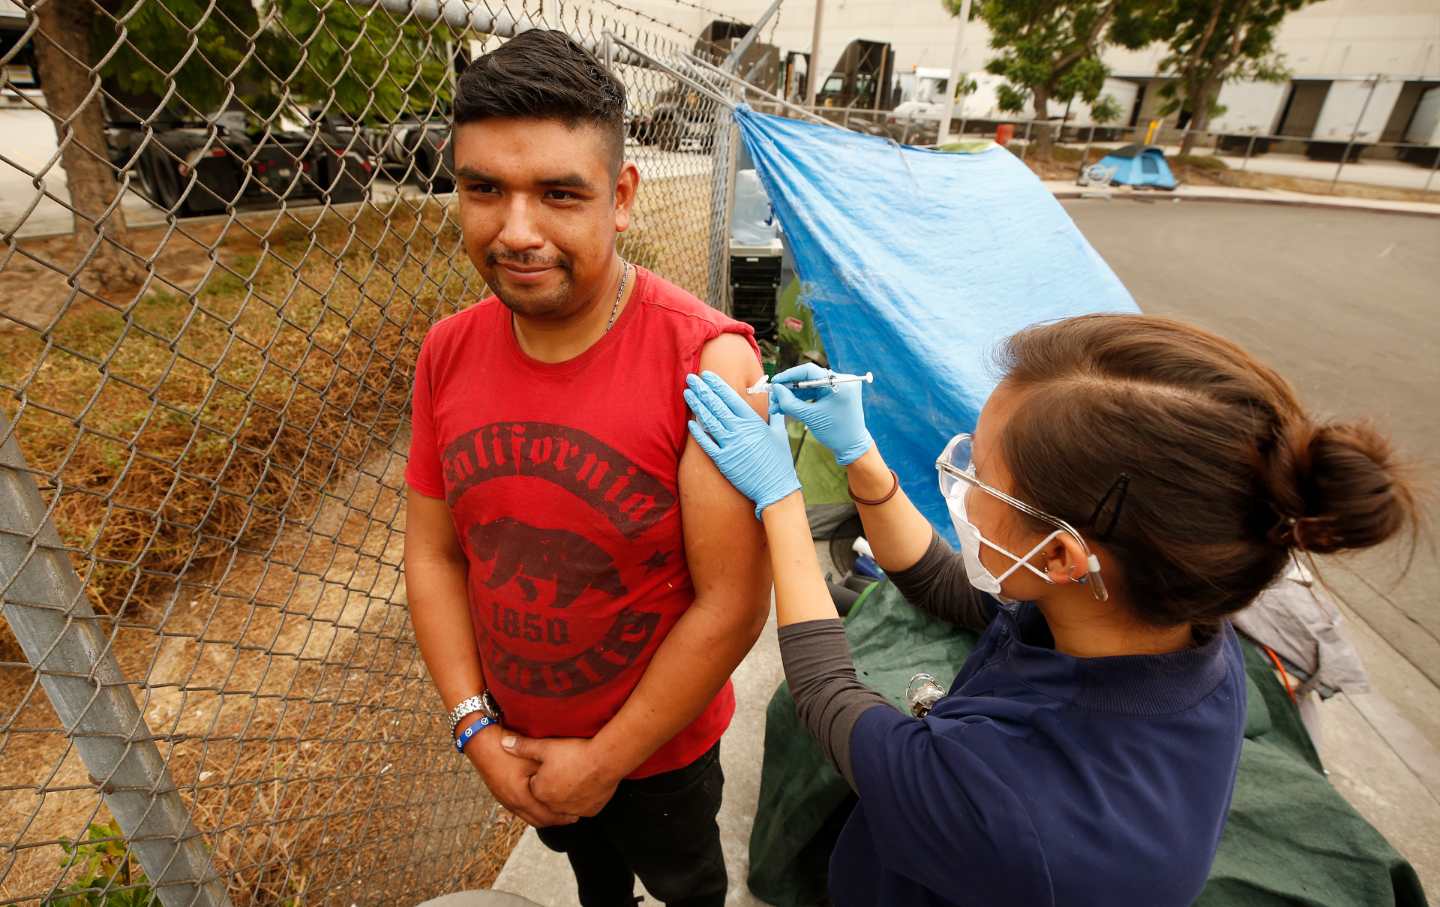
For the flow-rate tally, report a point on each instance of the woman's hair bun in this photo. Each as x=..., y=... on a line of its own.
x=1336, y=486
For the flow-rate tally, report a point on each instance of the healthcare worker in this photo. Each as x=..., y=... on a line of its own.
x=1131, y=482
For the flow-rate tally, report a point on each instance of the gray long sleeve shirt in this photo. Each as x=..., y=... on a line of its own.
x=829, y=697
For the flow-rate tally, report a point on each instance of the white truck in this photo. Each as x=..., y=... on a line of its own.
x=923, y=85
x=923, y=103
x=919, y=117
x=916, y=118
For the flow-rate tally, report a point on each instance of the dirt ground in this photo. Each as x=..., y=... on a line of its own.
x=295, y=715
x=37, y=278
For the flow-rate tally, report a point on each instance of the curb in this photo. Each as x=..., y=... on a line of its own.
x=1301, y=201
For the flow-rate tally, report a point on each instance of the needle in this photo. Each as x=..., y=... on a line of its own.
x=763, y=385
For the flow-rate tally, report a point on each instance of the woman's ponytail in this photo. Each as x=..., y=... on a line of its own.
x=1336, y=486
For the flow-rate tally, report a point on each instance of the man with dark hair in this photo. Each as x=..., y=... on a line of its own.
x=582, y=580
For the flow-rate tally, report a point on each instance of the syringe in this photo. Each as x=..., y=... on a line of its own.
x=763, y=385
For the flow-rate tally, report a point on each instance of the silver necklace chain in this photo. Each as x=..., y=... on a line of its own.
x=619, y=292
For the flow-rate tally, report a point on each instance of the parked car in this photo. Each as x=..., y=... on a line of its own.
x=678, y=121
x=238, y=164
x=416, y=150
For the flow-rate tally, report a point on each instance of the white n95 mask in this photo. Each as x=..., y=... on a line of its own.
x=970, y=542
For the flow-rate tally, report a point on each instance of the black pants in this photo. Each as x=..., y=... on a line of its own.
x=661, y=828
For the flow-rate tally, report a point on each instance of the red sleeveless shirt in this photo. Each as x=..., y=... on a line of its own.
x=561, y=480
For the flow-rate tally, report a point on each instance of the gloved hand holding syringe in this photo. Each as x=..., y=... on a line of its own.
x=831, y=381
x=828, y=403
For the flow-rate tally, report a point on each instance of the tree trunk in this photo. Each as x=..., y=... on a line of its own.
x=1202, y=100
x=1044, y=142
x=62, y=53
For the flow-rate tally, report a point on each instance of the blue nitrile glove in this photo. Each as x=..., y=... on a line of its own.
x=753, y=455
x=833, y=414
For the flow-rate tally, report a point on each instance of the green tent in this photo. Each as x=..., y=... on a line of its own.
x=1291, y=839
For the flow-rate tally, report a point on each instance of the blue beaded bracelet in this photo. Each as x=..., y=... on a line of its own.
x=469, y=732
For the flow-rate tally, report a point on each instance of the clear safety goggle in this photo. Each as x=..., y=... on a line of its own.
x=956, y=468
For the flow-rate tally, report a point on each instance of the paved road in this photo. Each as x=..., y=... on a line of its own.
x=1345, y=304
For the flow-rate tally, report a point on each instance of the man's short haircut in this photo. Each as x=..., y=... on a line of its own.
x=543, y=74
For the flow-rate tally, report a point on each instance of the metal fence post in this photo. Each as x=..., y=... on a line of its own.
x=1434, y=164
x=724, y=165
x=1249, y=149
x=1354, y=133
x=1085, y=153
x=45, y=603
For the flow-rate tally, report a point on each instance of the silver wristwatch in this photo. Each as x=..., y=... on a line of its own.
x=484, y=703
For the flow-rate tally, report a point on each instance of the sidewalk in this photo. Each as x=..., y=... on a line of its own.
x=1066, y=189
x=1369, y=171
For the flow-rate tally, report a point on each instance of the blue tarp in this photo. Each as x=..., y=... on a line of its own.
x=916, y=263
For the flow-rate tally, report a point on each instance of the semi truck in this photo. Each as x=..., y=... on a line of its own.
x=918, y=114
x=682, y=119
x=679, y=118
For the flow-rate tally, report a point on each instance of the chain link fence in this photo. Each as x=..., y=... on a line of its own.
x=227, y=226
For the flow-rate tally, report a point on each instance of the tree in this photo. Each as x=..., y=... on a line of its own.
x=1212, y=42
x=201, y=58
x=379, y=69
x=1106, y=110
x=278, y=54
x=1050, y=50
x=63, y=56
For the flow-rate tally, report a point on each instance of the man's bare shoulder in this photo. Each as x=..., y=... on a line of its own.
x=732, y=357
x=729, y=351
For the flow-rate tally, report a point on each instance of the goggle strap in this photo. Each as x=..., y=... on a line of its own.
x=1025, y=561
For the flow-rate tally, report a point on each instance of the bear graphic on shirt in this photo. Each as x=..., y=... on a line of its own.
x=526, y=628
x=527, y=553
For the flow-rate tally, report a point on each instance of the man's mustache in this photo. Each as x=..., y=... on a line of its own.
x=526, y=261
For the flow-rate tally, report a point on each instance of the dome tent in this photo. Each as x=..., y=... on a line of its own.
x=1139, y=165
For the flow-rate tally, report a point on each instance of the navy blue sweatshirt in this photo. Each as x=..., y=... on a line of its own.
x=1040, y=779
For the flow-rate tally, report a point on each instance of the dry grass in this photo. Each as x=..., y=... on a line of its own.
x=1251, y=180
x=179, y=428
